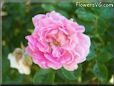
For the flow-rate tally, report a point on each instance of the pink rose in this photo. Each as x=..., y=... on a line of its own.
x=57, y=41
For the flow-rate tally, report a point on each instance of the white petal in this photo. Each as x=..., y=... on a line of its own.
x=23, y=69
x=13, y=62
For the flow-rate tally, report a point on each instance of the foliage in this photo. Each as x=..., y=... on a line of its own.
x=99, y=25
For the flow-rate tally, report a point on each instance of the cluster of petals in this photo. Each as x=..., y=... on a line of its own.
x=57, y=42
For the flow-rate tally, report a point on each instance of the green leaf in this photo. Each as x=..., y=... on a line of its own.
x=68, y=74
x=63, y=13
x=92, y=53
x=100, y=71
x=103, y=13
x=47, y=7
x=44, y=76
x=104, y=56
x=107, y=13
x=30, y=30
x=85, y=15
x=65, y=6
x=78, y=73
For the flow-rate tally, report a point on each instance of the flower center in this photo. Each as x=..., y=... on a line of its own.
x=56, y=43
x=18, y=53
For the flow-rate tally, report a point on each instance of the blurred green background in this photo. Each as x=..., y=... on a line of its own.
x=99, y=25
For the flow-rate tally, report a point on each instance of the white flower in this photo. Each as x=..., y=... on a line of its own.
x=112, y=80
x=21, y=61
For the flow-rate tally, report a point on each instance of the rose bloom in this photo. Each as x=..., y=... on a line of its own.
x=20, y=61
x=57, y=42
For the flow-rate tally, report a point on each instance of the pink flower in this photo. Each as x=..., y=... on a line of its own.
x=57, y=42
